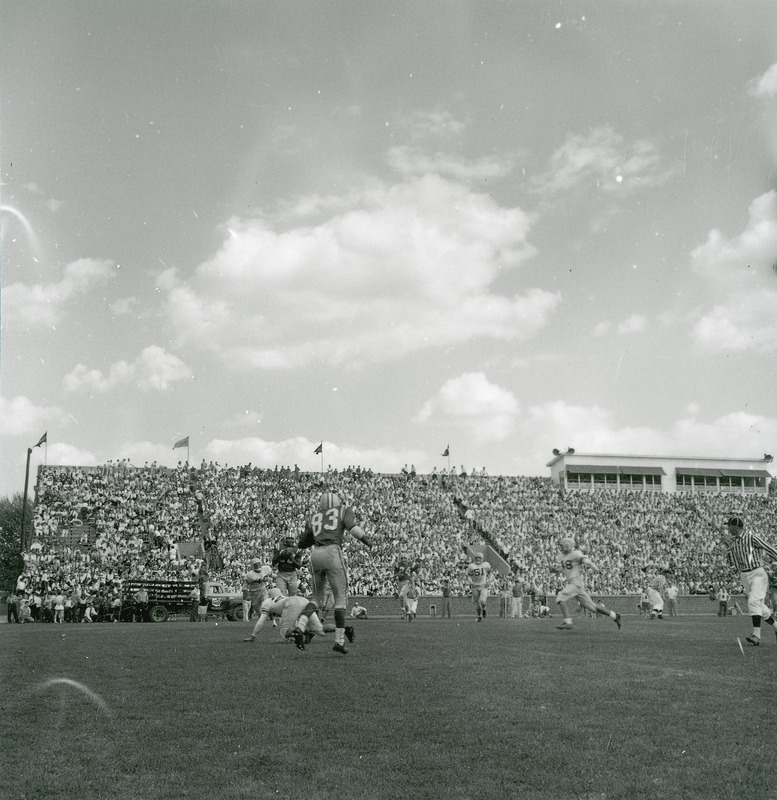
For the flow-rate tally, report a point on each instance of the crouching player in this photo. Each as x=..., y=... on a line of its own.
x=571, y=561
x=298, y=618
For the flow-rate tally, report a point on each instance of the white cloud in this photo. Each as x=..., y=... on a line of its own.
x=412, y=161
x=259, y=452
x=766, y=84
x=124, y=305
x=430, y=125
x=604, y=159
x=70, y=455
x=472, y=403
x=746, y=322
x=21, y=417
x=410, y=268
x=45, y=304
x=300, y=451
x=738, y=273
x=153, y=369
x=594, y=430
x=634, y=324
x=743, y=261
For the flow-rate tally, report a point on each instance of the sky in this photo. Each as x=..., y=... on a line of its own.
x=387, y=228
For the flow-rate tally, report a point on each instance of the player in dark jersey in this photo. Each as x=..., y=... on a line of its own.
x=286, y=560
x=324, y=532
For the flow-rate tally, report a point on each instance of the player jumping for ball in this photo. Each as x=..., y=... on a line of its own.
x=570, y=562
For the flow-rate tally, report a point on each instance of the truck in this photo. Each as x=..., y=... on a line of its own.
x=175, y=597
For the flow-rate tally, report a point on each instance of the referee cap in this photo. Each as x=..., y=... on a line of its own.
x=735, y=522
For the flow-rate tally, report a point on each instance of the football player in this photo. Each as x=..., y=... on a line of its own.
x=294, y=615
x=656, y=589
x=411, y=598
x=478, y=572
x=324, y=532
x=287, y=561
x=403, y=575
x=570, y=562
x=255, y=585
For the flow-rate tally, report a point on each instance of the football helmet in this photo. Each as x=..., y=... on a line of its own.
x=567, y=544
x=274, y=593
x=478, y=556
x=329, y=500
x=289, y=541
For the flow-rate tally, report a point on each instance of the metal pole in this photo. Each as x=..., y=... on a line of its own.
x=24, y=502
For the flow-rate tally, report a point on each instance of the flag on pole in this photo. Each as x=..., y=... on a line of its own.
x=319, y=449
x=181, y=443
x=43, y=439
x=447, y=451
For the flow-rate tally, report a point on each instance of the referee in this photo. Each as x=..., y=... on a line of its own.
x=746, y=554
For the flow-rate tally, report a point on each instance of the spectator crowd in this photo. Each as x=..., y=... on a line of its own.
x=95, y=528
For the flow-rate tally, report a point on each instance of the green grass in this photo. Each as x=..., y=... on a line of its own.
x=433, y=709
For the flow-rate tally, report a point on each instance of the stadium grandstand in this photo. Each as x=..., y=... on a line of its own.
x=97, y=527
x=670, y=474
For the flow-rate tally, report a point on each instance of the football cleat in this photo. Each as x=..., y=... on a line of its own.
x=564, y=627
x=299, y=639
x=249, y=639
x=350, y=633
x=309, y=636
x=753, y=641
x=340, y=648
x=618, y=620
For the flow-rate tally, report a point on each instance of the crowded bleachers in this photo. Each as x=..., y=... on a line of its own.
x=97, y=527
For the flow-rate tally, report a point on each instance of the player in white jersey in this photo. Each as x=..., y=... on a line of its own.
x=570, y=562
x=295, y=614
x=478, y=572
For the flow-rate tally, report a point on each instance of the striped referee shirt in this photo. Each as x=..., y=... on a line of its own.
x=658, y=584
x=745, y=552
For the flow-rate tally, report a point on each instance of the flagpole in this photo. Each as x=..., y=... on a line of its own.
x=24, y=502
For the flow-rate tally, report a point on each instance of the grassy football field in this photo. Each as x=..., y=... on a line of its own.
x=430, y=709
